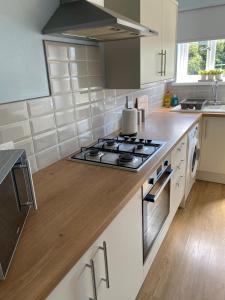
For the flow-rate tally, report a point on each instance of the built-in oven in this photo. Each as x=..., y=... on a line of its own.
x=16, y=197
x=156, y=204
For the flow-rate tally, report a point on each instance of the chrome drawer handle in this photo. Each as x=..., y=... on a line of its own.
x=106, y=279
x=92, y=267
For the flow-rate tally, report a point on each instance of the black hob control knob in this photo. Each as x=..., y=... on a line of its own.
x=166, y=163
x=126, y=138
x=141, y=140
x=149, y=141
x=133, y=139
x=151, y=180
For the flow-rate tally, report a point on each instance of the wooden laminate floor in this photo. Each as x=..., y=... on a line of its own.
x=190, y=264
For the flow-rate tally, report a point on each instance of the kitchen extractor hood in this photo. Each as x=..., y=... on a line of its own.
x=82, y=19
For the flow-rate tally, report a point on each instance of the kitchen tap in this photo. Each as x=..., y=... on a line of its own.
x=215, y=92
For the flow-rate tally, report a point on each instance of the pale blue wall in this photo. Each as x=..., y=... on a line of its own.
x=22, y=64
x=193, y=4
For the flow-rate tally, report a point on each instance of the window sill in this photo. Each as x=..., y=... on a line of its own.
x=196, y=83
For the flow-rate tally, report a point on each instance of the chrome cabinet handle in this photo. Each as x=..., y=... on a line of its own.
x=165, y=62
x=92, y=267
x=206, y=128
x=106, y=279
x=29, y=184
x=161, y=54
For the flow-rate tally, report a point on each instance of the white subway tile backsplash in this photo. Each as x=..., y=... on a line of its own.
x=40, y=107
x=86, y=139
x=97, y=108
x=42, y=124
x=81, y=97
x=110, y=93
x=33, y=163
x=79, y=111
x=64, y=117
x=47, y=157
x=45, y=140
x=110, y=104
x=93, y=53
x=77, y=53
x=94, y=68
x=69, y=147
x=83, y=112
x=79, y=83
x=96, y=82
x=62, y=102
x=27, y=145
x=98, y=133
x=67, y=133
x=98, y=121
x=78, y=69
x=14, y=132
x=13, y=112
x=110, y=116
x=58, y=69
x=84, y=126
x=56, y=52
x=97, y=95
x=60, y=86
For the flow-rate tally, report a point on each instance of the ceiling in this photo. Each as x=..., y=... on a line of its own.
x=194, y=4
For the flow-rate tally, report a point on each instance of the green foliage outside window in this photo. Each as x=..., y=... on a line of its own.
x=197, y=58
x=220, y=55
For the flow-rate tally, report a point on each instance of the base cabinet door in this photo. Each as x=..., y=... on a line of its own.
x=124, y=255
x=78, y=284
x=112, y=269
x=212, y=157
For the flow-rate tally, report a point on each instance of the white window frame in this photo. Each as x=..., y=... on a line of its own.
x=182, y=61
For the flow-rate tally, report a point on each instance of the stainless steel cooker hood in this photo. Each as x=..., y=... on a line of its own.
x=81, y=19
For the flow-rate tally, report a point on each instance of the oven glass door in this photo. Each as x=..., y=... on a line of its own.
x=13, y=194
x=155, y=214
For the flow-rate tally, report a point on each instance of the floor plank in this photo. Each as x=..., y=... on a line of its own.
x=190, y=264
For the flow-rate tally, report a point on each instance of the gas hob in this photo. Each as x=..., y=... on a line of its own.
x=127, y=153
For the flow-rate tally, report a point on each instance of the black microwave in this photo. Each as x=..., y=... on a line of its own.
x=17, y=196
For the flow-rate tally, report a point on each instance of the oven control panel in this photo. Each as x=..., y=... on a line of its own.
x=154, y=177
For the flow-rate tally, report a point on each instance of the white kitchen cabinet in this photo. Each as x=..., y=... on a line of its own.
x=169, y=35
x=125, y=257
x=137, y=62
x=212, y=157
x=78, y=283
x=158, y=53
x=121, y=259
x=151, y=59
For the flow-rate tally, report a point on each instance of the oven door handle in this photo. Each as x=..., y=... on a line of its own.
x=153, y=196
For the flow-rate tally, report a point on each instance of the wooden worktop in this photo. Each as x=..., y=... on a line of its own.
x=76, y=203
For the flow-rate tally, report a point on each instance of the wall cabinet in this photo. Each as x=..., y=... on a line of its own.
x=112, y=267
x=212, y=158
x=134, y=63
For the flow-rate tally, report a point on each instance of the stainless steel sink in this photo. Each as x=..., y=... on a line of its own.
x=218, y=106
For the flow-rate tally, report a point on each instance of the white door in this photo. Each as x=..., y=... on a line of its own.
x=124, y=255
x=169, y=35
x=212, y=157
x=151, y=47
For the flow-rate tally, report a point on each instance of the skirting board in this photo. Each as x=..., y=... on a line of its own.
x=210, y=176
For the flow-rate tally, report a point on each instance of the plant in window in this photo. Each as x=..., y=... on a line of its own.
x=219, y=74
x=204, y=75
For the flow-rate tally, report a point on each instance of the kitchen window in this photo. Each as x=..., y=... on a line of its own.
x=196, y=56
